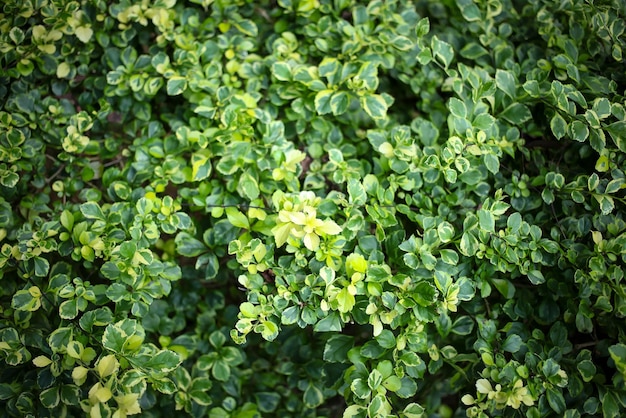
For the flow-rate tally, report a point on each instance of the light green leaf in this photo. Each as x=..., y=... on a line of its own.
x=269, y=330
x=374, y=105
x=507, y=82
x=422, y=27
x=176, y=85
x=469, y=244
x=91, y=210
x=345, y=300
x=442, y=50
x=492, y=163
x=457, y=108
x=84, y=33
x=356, y=192
x=63, y=70
x=249, y=185
x=486, y=220
x=281, y=71
x=236, y=218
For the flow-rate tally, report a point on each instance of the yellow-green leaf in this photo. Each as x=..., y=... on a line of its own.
x=84, y=33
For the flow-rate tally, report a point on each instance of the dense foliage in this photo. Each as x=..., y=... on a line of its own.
x=312, y=208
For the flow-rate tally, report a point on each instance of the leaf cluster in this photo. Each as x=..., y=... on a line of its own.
x=312, y=208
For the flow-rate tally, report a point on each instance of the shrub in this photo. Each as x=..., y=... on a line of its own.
x=312, y=208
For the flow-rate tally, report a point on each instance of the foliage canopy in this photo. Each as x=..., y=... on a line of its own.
x=312, y=208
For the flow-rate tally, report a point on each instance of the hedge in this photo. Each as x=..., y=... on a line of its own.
x=312, y=208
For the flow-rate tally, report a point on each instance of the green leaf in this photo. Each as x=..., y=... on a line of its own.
x=17, y=35
x=27, y=299
x=91, y=210
x=164, y=361
x=469, y=244
x=63, y=70
x=176, y=85
x=536, y=277
x=602, y=107
x=618, y=354
x=368, y=75
x=408, y=389
x=492, y=163
x=558, y=126
x=555, y=400
x=237, y=219
x=189, y=246
x=290, y=315
x=249, y=185
x=68, y=309
x=282, y=71
x=267, y=401
x=392, y=383
x=200, y=165
x=516, y=113
x=422, y=28
x=374, y=105
x=356, y=192
x=507, y=82
x=413, y=410
x=59, y=339
x=505, y=287
x=345, y=300
x=337, y=347
x=8, y=178
x=617, y=130
x=457, y=108
x=442, y=50
x=329, y=68
x=579, y=131
x=401, y=42
x=469, y=10
x=445, y=231
x=339, y=102
x=269, y=330
x=374, y=379
x=84, y=33
x=246, y=26
x=50, y=397
x=331, y=323
x=322, y=101
x=70, y=395
x=221, y=370
x=486, y=220
x=512, y=344
x=386, y=339
x=587, y=370
x=125, y=335
x=610, y=407
x=360, y=388
x=313, y=396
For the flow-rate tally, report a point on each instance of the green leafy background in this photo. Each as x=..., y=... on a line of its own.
x=312, y=208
